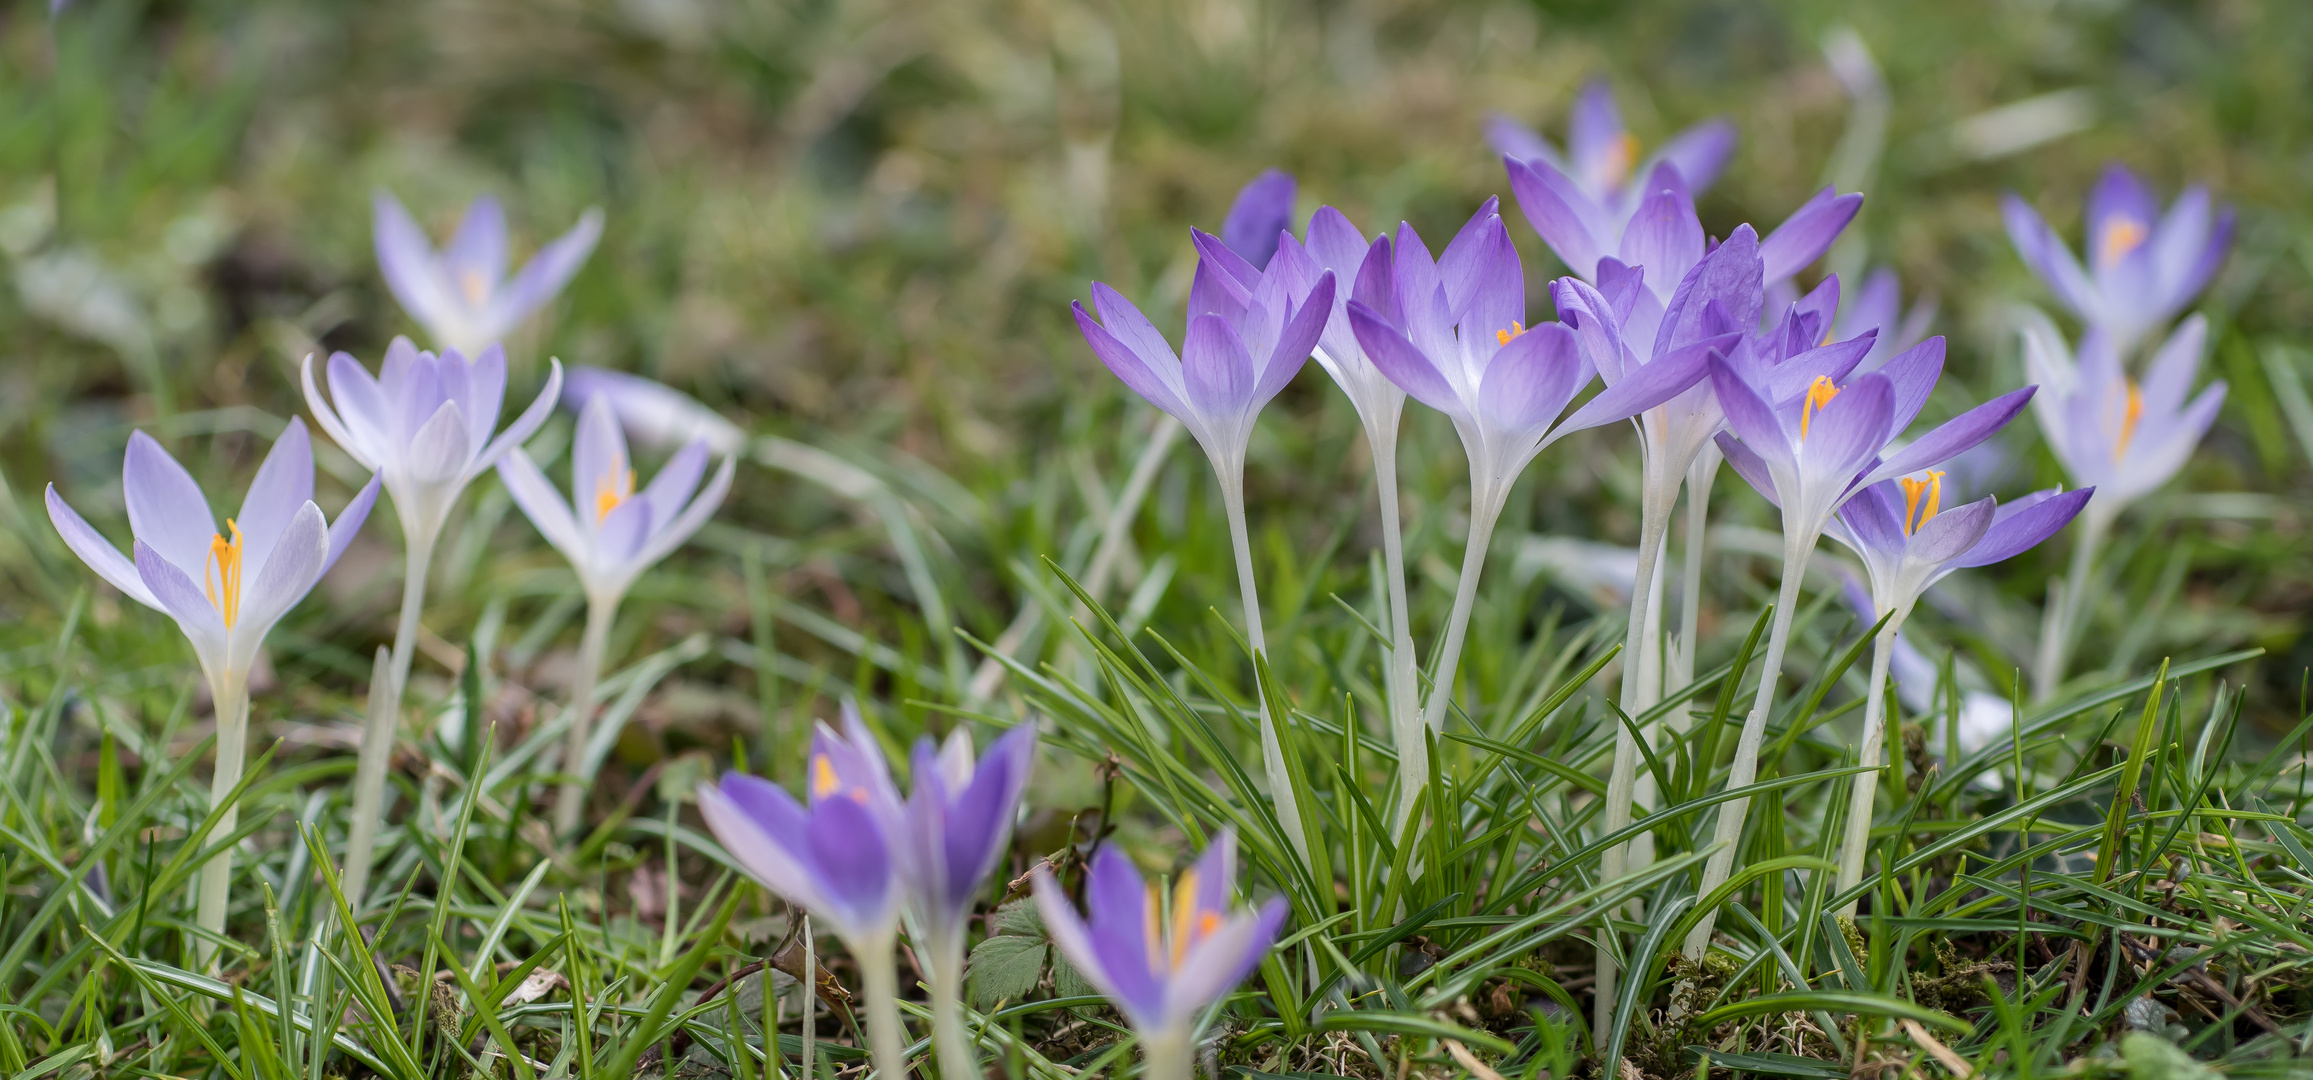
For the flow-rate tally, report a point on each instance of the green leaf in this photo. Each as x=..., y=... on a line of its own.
x=1005, y=968
x=1833, y=1001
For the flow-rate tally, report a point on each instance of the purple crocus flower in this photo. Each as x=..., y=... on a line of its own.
x=840, y=853
x=1596, y=186
x=2111, y=432
x=653, y=413
x=461, y=294
x=425, y=423
x=2144, y=266
x=610, y=531
x=1264, y=209
x=1161, y=966
x=225, y=594
x=1878, y=305
x=958, y=816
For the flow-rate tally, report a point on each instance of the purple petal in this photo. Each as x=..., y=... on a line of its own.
x=1128, y=364
x=1748, y=415
x=671, y=535
x=1875, y=305
x=1224, y=281
x=1567, y=219
x=1731, y=275
x=1913, y=374
x=1216, y=965
x=179, y=595
x=361, y=406
x=526, y=424
x=852, y=858
x=1118, y=932
x=747, y=817
x=2044, y=252
x=165, y=507
x=1585, y=312
x=621, y=534
x=1518, y=142
x=1485, y=286
x=1951, y=533
x=296, y=562
x=1875, y=517
x=485, y=394
x=476, y=254
x=2013, y=534
x=282, y=484
x=1597, y=145
x=1530, y=380
x=1335, y=243
x=677, y=479
x=1262, y=210
x=350, y=519
x=405, y=258
x=1807, y=234
x=2119, y=204
x=1074, y=939
x=1849, y=430
x=97, y=551
x=439, y=449
x=1664, y=236
x=2169, y=378
x=1700, y=152
x=1215, y=368
x=979, y=819
x=1649, y=384
x=1297, y=340
x=598, y=460
x=1376, y=284
x=1954, y=437
x=1403, y=364
x=542, y=505
x=1750, y=466
x=546, y=272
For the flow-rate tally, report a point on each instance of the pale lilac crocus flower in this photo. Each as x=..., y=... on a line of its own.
x=958, y=818
x=1595, y=187
x=429, y=425
x=461, y=294
x=1808, y=455
x=2143, y=265
x=611, y=532
x=1878, y=305
x=1908, y=542
x=2123, y=437
x=225, y=594
x=1162, y=965
x=653, y=413
x=1249, y=332
x=1454, y=336
x=839, y=855
x=1262, y=211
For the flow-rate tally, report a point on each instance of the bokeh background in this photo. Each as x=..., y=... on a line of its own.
x=857, y=224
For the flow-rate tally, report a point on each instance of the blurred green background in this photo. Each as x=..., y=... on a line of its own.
x=858, y=223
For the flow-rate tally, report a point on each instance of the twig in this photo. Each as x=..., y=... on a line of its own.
x=2199, y=980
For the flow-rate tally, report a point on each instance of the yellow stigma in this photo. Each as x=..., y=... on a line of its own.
x=475, y=286
x=1621, y=157
x=1918, y=511
x=1510, y=335
x=1819, y=393
x=221, y=579
x=607, y=495
x=2120, y=235
x=823, y=779
x=1152, y=931
x=1184, y=914
x=2131, y=411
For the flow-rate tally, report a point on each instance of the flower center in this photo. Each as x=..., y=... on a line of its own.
x=474, y=285
x=1921, y=500
x=1510, y=335
x=2120, y=235
x=1819, y=393
x=221, y=578
x=824, y=782
x=2131, y=411
x=1620, y=157
x=609, y=494
x=1189, y=926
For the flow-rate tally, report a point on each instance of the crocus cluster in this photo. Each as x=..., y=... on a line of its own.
x=860, y=858
x=2121, y=434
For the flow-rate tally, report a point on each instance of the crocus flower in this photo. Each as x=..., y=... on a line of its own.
x=1161, y=966
x=2144, y=266
x=1453, y=334
x=1249, y=333
x=1808, y=455
x=461, y=294
x=1263, y=210
x=2113, y=433
x=425, y=423
x=839, y=855
x=1907, y=542
x=1596, y=186
x=611, y=533
x=653, y=413
x=958, y=818
x=225, y=589
x=1878, y=305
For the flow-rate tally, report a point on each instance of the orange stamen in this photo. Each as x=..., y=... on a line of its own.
x=1819, y=393
x=1184, y=915
x=2119, y=236
x=475, y=286
x=1621, y=158
x=824, y=782
x=1917, y=512
x=2131, y=412
x=1510, y=335
x=1152, y=931
x=221, y=579
x=607, y=497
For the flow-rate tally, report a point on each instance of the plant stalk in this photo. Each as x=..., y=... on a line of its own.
x=1404, y=679
x=384, y=720
x=1272, y=746
x=1745, y=768
x=1654, y=523
x=1866, y=785
x=1168, y=1055
x=230, y=691
x=807, y=990
x=958, y=1059
x=879, y=980
x=570, y=803
x=2061, y=625
x=1701, y=474
x=1485, y=510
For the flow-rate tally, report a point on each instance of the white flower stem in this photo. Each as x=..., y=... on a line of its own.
x=230, y=691
x=1866, y=785
x=879, y=980
x=1272, y=747
x=1404, y=680
x=807, y=996
x=1700, y=476
x=2066, y=611
x=958, y=1059
x=1654, y=523
x=1168, y=1055
x=1485, y=510
x=1745, y=768
x=384, y=720
x=570, y=803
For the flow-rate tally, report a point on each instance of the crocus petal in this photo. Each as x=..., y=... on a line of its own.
x=1596, y=142
x=1730, y=275
x=1518, y=142
x=1586, y=312
x=97, y=551
x=438, y=450
x=2169, y=377
x=2044, y=252
x=1530, y=380
x=1648, y=385
x=1215, y=369
x=1296, y=341
x=1700, y=152
x=1954, y=437
x=1263, y=209
x=745, y=817
x=350, y=519
x=854, y=860
x=598, y=459
x=478, y=249
x=2119, y=196
x=677, y=479
x=980, y=818
x=1128, y=365
x=621, y=534
x=1119, y=935
x=2016, y=533
x=1485, y=286
x=282, y=484
x=1402, y=363
x=1224, y=281
x=405, y=258
x=1560, y=213
x=525, y=425
x=1848, y=431
x=165, y=507
x=182, y=598
x=1664, y=236
x=545, y=274
x=1750, y=466
x=672, y=534
x=1914, y=373
x=2151, y=466
x=1074, y=939
x=1214, y=966
x=1951, y=533
x=543, y=505
x=484, y=395
x=364, y=418
x=269, y=591
x=1748, y=415
x=1808, y=233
